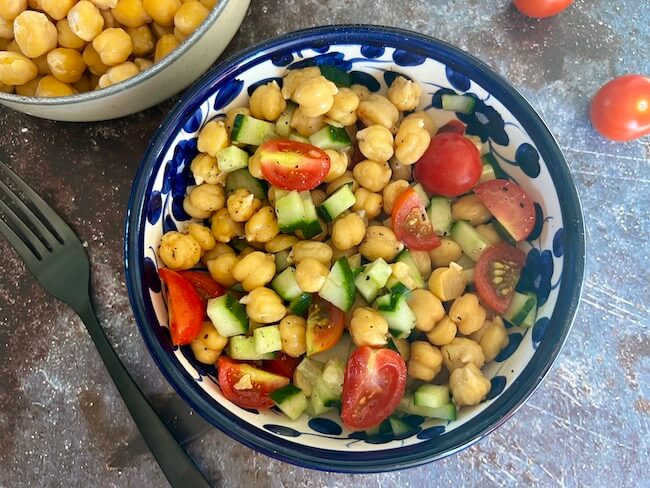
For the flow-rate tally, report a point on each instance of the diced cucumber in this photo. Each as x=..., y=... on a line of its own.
x=330, y=137
x=306, y=374
x=300, y=304
x=311, y=226
x=406, y=258
x=291, y=400
x=372, y=279
x=316, y=405
x=249, y=130
x=337, y=203
x=400, y=318
x=419, y=189
x=373, y=431
x=399, y=427
x=243, y=348
x=228, y=315
x=290, y=212
x=286, y=286
x=503, y=232
x=267, y=339
x=283, y=124
x=282, y=260
x=340, y=350
x=458, y=103
x=366, y=287
x=446, y=411
x=529, y=321
x=440, y=215
x=354, y=261
x=470, y=241
x=488, y=158
x=521, y=306
x=465, y=262
x=335, y=75
x=243, y=179
x=339, y=287
x=487, y=174
x=396, y=287
x=431, y=396
x=329, y=385
x=294, y=136
x=232, y=158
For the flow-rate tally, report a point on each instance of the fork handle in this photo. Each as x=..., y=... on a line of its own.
x=178, y=467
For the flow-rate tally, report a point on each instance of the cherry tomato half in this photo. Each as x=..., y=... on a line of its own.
x=186, y=310
x=293, y=165
x=325, y=324
x=510, y=206
x=373, y=385
x=541, y=8
x=450, y=166
x=497, y=273
x=282, y=364
x=453, y=126
x=247, y=395
x=204, y=284
x=411, y=223
x=620, y=110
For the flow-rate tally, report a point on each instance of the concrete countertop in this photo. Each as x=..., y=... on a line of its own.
x=587, y=425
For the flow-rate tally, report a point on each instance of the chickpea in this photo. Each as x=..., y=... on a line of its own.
x=402, y=273
x=447, y=283
x=262, y=226
x=162, y=11
x=67, y=38
x=315, y=96
x=93, y=61
x=57, y=9
x=213, y=138
x=85, y=20
x=344, y=108
x=10, y=9
x=267, y=103
x=280, y=243
x=142, y=40
x=470, y=208
x=202, y=235
x=460, y=352
x=143, y=63
x=304, y=125
x=489, y=232
x=49, y=86
x=344, y=179
x=348, y=253
x=348, y=231
x=368, y=202
x=292, y=332
x=205, y=198
x=28, y=89
x=425, y=362
x=422, y=262
x=16, y=69
x=34, y=33
x=66, y=65
x=264, y=306
x=221, y=268
x=427, y=309
x=467, y=313
x=391, y=191
x=189, y=16
x=405, y=94
x=377, y=109
x=117, y=74
x=160, y=30
x=492, y=337
x=130, y=13
x=468, y=385
x=380, y=242
x=6, y=30
x=319, y=251
x=209, y=4
x=411, y=141
x=255, y=168
x=224, y=228
x=361, y=91
x=242, y=205
x=164, y=46
x=208, y=344
x=338, y=165
x=179, y=251
x=109, y=20
x=311, y=275
x=219, y=249
x=9, y=88
x=429, y=124
x=400, y=171
x=376, y=143
x=443, y=332
x=445, y=253
x=105, y=4
x=254, y=270
x=297, y=77
x=372, y=175
x=205, y=169
x=368, y=327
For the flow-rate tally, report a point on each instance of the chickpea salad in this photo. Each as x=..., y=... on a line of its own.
x=346, y=253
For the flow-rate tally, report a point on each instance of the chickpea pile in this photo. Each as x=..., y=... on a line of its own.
x=56, y=48
x=236, y=235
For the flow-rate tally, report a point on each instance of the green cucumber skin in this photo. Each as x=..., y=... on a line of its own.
x=300, y=305
x=471, y=242
x=458, y=103
x=330, y=137
x=339, y=288
x=337, y=203
x=252, y=131
x=291, y=400
x=228, y=315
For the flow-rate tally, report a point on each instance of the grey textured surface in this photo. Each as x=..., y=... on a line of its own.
x=587, y=425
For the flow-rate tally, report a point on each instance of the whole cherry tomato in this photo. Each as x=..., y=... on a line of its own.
x=541, y=8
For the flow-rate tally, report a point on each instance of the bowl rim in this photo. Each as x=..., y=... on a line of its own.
x=130, y=82
x=389, y=459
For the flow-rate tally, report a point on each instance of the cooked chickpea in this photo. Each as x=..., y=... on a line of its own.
x=405, y=94
x=361, y=91
x=489, y=232
x=254, y=270
x=49, y=86
x=297, y=77
x=179, y=251
x=372, y=175
x=66, y=64
x=221, y=268
x=402, y=273
x=117, y=74
x=344, y=179
x=224, y=228
x=162, y=11
x=337, y=253
x=319, y=237
x=164, y=46
x=213, y=138
x=246, y=251
x=142, y=40
x=143, y=63
x=344, y=109
x=304, y=125
x=292, y=333
x=470, y=208
x=319, y=251
x=255, y=167
x=16, y=69
x=67, y=38
x=202, y=235
x=492, y=337
x=468, y=385
x=460, y=352
x=447, y=283
x=130, y=13
x=109, y=20
x=376, y=143
x=262, y=226
x=315, y=96
x=348, y=231
x=429, y=124
x=6, y=30
x=368, y=202
x=160, y=30
x=443, y=332
x=338, y=165
x=205, y=169
x=411, y=141
x=400, y=171
x=105, y=4
x=85, y=20
x=93, y=61
x=242, y=205
x=189, y=16
x=467, y=313
x=10, y=9
x=232, y=114
x=422, y=262
x=427, y=309
x=10, y=88
x=425, y=362
x=205, y=198
x=280, y=243
x=445, y=253
x=219, y=249
x=28, y=89
x=264, y=306
x=391, y=191
x=267, y=102
x=208, y=344
x=380, y=242
x=377, y=109
x=311, y=275
x=57, y=9
x=34, y=33
x=368, y=328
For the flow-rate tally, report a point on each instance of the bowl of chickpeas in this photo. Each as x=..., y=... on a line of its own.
x=354, y=248
x=88, y=60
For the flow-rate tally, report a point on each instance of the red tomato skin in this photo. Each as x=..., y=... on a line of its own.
x=230, y=371
x=620, y=110
x=482, y=274
x=541, y=8
x=304, y=168
x=512, y=207
x=450, y=166
x=203, y=284
x=282, y=364
x=185, y=307
x=319, y=338
x=406, y=202
x=373, y=385
x=455, y=126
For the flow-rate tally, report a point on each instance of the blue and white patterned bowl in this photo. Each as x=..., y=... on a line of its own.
x=525, y=150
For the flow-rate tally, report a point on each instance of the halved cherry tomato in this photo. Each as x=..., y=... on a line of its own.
x=203, y=283
x=251, y=392
x=510, y=206
x=411, y=223
x=324, y=326
x=450, y=166
x=541, y=8
x=455, y=126
x=373, y=385
x=186, y=310
x=497, y=273
x=293, y=165
x=620, y=110
x=282, y=364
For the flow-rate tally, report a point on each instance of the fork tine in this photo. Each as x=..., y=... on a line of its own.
x=30, y=239
x=17, y=243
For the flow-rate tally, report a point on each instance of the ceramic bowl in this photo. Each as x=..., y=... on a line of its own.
x=524, y=149
x=171, y=75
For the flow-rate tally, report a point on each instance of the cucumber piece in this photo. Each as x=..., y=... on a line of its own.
x=330, y=137
x=372, y=279
x=487, y=174
x=335, y=75
x=243, y=179
x=306, y=374
x=471, y=242
x=529, y=321
x=465, y=262
x=440, y=215
x=446, y=411
x=400, y=318
x=355, y=261
x=503, y=232
x=232, y=158
x=290, y=212
x=521, y=306
x=329, y=385
x=399, y=427
x=228, y=315
x=339, y=351
x=282, y=260
x=366, y=287
x=267, y=339
x=406, y=258
x=310, y=227
x=283, y=124
x=300, y=304
x=249, y=130
x=373, y=431
x=337, y=203
x=291, y=400
x=316, y=405
x=243, y=348
x=396, y=287
x=419, y=189
x=298, y=138
x=431, y=396
x=339, y=287
x=458, y=103
x=286, y=286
